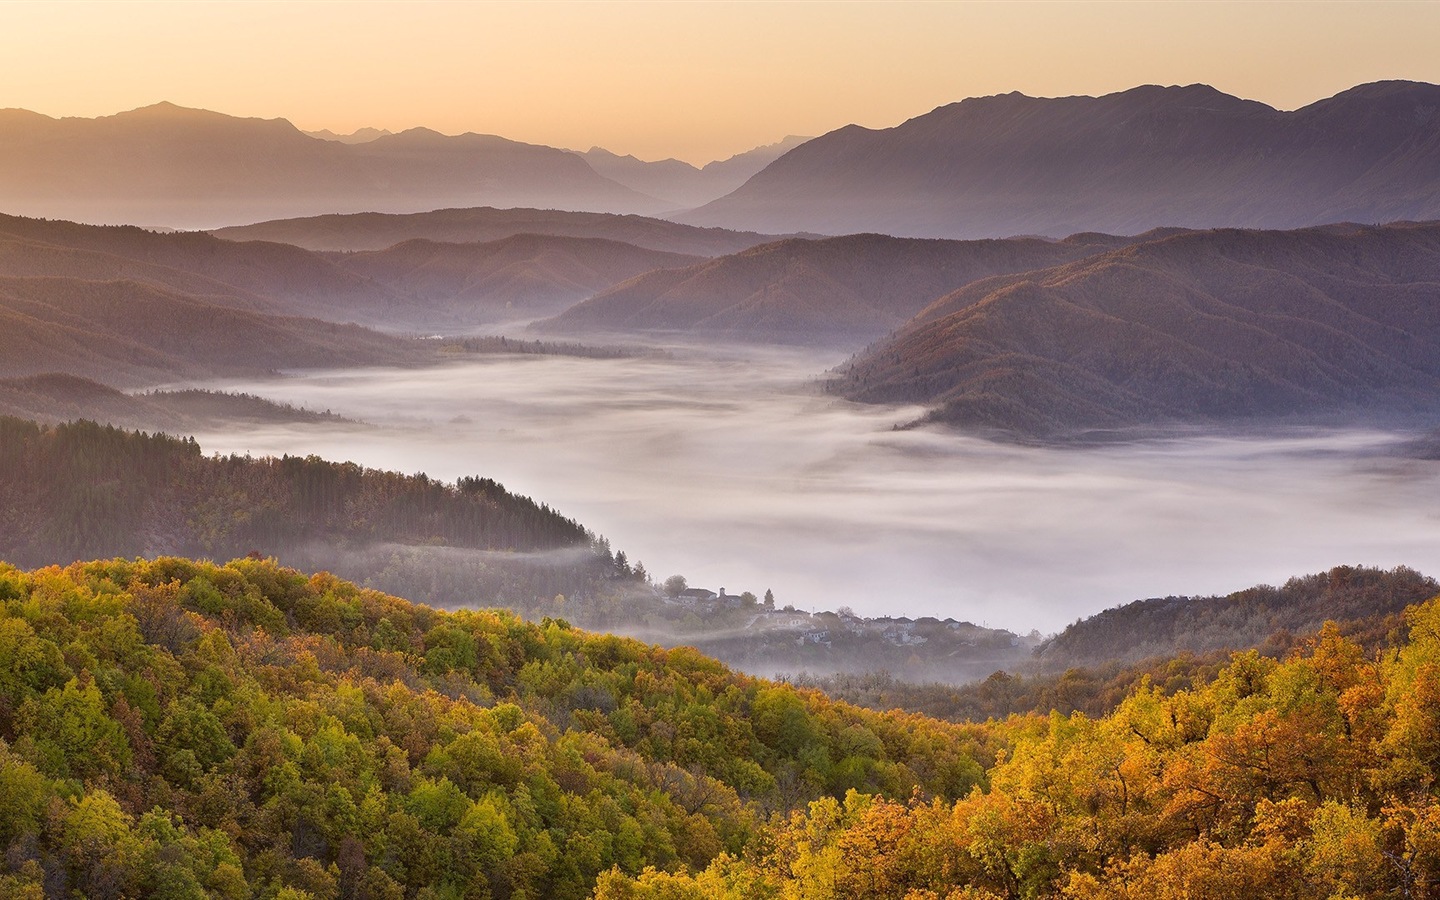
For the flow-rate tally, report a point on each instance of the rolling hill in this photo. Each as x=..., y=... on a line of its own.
x=179, y=728
x=255, y=275
x=167, y=165
x=524, y=276
x=1122, y=163
x=376, y=231
x=54, y=397
x=1166, y=627
x=835, y=292
x=418, y=284
x=127, y=333
x=1213, y=327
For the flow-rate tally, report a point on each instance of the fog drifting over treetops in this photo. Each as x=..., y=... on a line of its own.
x=731, y=467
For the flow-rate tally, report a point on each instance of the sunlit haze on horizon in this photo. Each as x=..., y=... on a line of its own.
x=697, y=81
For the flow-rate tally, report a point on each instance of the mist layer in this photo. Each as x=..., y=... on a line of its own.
x=731, y=467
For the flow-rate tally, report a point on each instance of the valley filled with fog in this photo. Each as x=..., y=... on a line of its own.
x=733, y=467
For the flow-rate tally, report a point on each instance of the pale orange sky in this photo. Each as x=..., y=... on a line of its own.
x=691, y=79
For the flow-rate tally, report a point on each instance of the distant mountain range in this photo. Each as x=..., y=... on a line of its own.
x=841, y=292
x=376, y=231
x=358, y=136
x=167, y=165
x=681, y=184
x=192, y=168
x=1222, y=326
x=1123, y=163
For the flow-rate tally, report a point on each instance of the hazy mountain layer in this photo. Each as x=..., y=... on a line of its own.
x=256, y=275
x=358, y=136
x=1122, y=163
x=166, y=165
x=840, y=291
x=517, y=277
x=679, y=182
x=129, y=333
x=1207, y=327
x=376, y=231
x=418, y=284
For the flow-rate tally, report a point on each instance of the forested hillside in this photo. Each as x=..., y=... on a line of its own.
x=180, y=729
x=841, y=291
x=81, y=491
x=1169, y=626
x=1174, y=643
x=1226, y=327
x=258, y=275
x=125, y=333
x=1314, y=777
x=417, y=283
x=53, y=398
x=523, y=276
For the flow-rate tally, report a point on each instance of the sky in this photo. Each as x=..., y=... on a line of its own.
x=689, y=79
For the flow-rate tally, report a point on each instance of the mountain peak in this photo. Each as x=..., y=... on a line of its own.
x=166, y=112
x=358, y=136
x=166, y=109
x=1188, y=96
x=1383, y=95
x=1377, y=90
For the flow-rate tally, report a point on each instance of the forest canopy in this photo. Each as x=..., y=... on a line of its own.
x=180, y=729
x=171, y=728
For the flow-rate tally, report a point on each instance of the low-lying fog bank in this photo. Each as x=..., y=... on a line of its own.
x=730, y=467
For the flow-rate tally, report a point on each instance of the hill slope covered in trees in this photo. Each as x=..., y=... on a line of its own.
x=261, y=276
x=1310, y=778
x=54, y=398
x=181, y=729
x=417, y=284
x=172, y=728
x=128, y=333
x=81, y=490
x=1195, y=328
x=1169, y=626
x=840, y=291
x=1174, y=643
x=524, y=276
